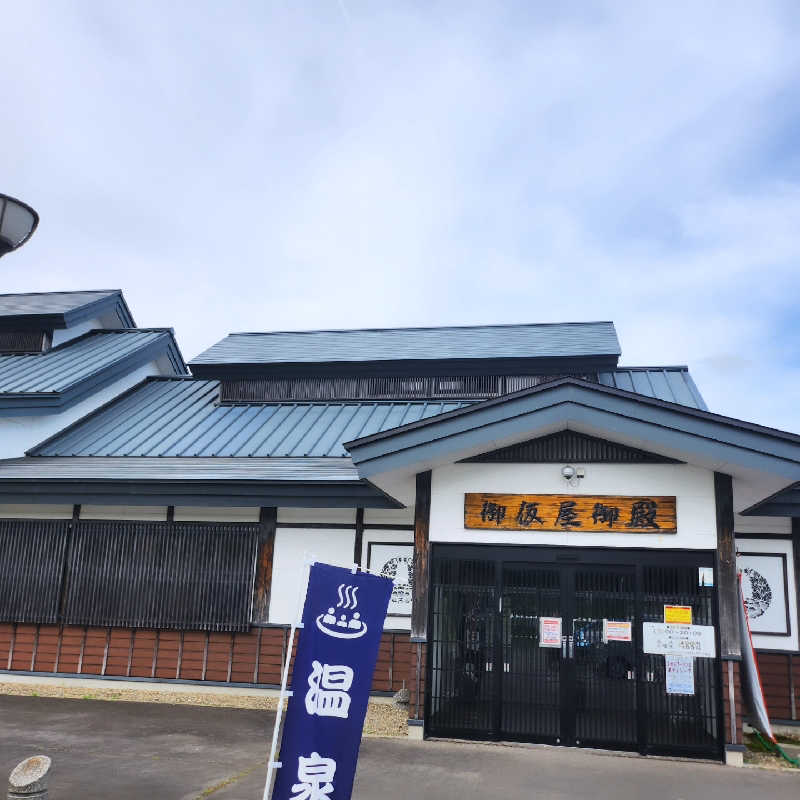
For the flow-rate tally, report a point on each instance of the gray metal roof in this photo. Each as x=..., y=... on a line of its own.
x=666, y=428
x=183, y=417
x=45, y=383
x=557, y=340
x=179, y=469
x=175, y=418
x=66, y=365
x=673, y=384
x=62, y=308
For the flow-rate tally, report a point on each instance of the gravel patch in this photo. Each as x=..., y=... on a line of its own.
x=383, y=719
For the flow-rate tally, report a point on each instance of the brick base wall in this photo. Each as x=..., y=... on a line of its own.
x=780, y=678
x=254, y=658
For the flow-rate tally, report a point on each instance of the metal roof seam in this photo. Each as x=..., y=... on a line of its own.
x=282, y=413
x=335, y=446
x=385, y=417
x=96, y=421
x=235, y=414
x=258, y=430
x=166, y=418
x=123, y=432
x=202, y=400
x=367, y=418
x=652, y=386
x=325, y=430
x=91, y=356
x=244, y=420
x=75, y=428
x=292, y=428
x=29, y=369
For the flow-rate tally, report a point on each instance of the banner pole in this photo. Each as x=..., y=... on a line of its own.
x=297, y=623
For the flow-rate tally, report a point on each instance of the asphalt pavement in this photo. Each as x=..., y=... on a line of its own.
x=136, y=751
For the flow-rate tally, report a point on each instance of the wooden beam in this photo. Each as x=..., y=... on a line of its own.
x=265, y=551
x=64, y=587
x=358, y=541
x=796, y=548
x=727, y=585
x=422, y=524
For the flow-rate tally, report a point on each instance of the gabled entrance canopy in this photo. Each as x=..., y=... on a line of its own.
x=763, y=457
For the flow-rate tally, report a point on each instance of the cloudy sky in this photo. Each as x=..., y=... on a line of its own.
x=342, y=163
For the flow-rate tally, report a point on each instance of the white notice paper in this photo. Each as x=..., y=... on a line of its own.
x=616, y=630
x=549, y=631
x=678, y=640
x=680, y=674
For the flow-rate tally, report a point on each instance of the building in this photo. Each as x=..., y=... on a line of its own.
x=63, y=354
x=542, y=509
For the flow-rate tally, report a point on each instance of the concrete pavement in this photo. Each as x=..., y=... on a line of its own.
x=130, y=751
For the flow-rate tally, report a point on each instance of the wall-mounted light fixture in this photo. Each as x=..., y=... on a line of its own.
x=572, y=475
x=18, y=221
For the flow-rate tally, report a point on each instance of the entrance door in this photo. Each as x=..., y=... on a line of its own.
x=583, y=690
x=492, y=676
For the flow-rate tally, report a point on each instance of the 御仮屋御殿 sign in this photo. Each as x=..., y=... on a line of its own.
x=570, y=512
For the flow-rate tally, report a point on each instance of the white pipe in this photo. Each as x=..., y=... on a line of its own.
x=297, y=623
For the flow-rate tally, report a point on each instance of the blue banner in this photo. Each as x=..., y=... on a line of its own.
x=336, y=653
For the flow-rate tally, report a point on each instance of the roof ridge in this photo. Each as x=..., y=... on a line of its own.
x=668, y=366
x=425, y=328
x=59, y=291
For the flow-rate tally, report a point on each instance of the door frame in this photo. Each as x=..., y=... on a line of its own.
x=544, y=555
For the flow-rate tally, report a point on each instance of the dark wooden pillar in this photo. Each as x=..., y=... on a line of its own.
x=422, y=523
x=63, y=590
x=796, y=549
x=265, y=550
x=358, y=542
x=727, y=584
x=794, y=700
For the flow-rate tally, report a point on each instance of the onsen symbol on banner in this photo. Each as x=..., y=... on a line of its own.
x=327, y=695
x=315, y=778
x=343, y=628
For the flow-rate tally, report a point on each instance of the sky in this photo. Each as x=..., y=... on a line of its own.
x=241, y=166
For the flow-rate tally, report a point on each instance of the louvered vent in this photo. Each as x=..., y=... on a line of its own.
x=463, y=387
x=21, y=342
x=566, y=446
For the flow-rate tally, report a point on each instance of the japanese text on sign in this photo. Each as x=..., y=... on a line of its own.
x=617, y=630
x=679, y=615
x=549, y=631
x=680, y=674
x=556, y=512
x=678, y=640
x=343, y=620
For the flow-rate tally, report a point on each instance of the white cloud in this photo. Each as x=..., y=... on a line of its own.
x=240, y=167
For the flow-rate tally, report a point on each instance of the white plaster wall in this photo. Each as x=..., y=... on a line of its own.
x=214, y=514
x=61, y=335
x=762, y=524
x=389, y=516
x=292, y=546
x=327, y=515
x=144, y=513
x=18, y=434
x=692, y=486
x=761, y=642
x=30, y=511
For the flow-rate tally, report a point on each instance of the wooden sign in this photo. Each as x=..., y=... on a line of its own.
x=570, y=512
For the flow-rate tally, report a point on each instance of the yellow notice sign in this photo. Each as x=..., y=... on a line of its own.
x=678, y=615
